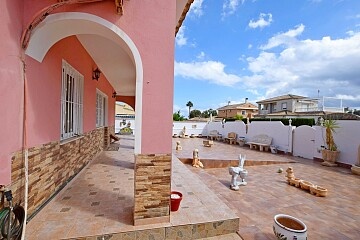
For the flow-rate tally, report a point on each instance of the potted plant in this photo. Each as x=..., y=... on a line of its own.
x=330, y=154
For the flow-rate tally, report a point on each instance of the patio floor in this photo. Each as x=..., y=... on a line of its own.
x=99, y=201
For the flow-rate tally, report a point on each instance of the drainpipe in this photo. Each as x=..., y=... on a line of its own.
x=25, y=150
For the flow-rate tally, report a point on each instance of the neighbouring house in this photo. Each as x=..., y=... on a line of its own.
x=124, y=116
x=63, y=65
x=245, y=110
x=294, y=106
x=124, y=110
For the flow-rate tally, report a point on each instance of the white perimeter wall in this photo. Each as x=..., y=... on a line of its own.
x=191, y=127
x=347, y=137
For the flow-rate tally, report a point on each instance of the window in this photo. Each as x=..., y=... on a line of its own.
x=284, y=106
x=243, y=112
x=72, y=85
x=101, y=106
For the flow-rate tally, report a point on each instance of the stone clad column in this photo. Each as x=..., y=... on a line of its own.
x=152, y=188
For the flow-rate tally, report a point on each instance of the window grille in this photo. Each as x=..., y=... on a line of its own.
x=72, y=85
x=101, y=106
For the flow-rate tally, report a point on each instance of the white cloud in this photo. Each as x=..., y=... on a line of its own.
x=305, y=66
x=350, y=33
x=288, y=38
x=180, y=39
x=230, y=6
x=200, y=56
x=301, y=66
x=250, y=46
x=253, y=91
x=264, y=20
x=211, y=71
x=196, y=8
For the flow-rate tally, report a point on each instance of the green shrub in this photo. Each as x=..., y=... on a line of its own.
x=126, y=131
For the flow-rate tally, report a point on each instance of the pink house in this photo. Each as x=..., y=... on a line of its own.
x=63, y=64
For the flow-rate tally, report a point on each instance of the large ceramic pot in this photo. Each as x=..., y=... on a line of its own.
x=330, y=157
x=287, y=227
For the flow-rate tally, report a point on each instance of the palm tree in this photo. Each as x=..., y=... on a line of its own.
x=330, y=126
x=190, y=105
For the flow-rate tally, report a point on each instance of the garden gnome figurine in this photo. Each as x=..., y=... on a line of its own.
x=178, y=146
x=196, y=161
x=290, y=174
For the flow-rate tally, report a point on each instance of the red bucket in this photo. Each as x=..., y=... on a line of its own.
x=176, y=198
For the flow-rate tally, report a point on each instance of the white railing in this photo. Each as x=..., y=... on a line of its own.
x=325, y=109
x=333, y=109
x=305, y=109
x=264, y=112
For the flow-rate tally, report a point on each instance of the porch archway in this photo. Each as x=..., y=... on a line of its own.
x=61, y=25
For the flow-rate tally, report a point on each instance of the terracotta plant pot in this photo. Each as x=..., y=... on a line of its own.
x=288, y=227
x=330, y=157
x=305, y=185
x=295, y=182
x=318, y=191
x=175, y=198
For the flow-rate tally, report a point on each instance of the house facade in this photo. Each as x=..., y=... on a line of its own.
x=245, y=110
x=63, y=65
x=289, y=103
x=295, y=106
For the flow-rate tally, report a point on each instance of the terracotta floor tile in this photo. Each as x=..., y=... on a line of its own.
x=108, y=181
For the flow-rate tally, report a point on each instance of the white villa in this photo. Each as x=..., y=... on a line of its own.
x=295, y=106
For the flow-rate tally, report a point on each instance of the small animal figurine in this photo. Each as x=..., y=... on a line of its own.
x=196, y=161
x=178, y=146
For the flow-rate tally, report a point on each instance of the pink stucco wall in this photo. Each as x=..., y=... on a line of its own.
x=11, y=85
x=150, y=25
x=43, y=110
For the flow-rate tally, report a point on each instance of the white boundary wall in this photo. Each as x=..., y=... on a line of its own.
x=347, y=137
x=195, y=128
x=281, y=134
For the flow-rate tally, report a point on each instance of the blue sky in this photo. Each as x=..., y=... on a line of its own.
x=235, y=49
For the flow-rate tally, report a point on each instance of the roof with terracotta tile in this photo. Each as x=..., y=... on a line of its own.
x=282, y=97
x=240, y=106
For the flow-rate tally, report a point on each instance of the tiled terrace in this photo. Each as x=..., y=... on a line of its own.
x=99, y=201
